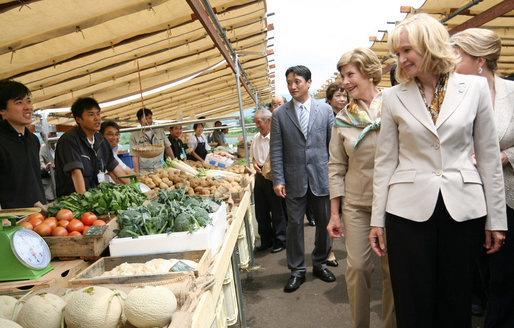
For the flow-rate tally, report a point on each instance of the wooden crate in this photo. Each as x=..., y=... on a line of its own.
x=92, y=274
x=63, y=271
x=86, y=246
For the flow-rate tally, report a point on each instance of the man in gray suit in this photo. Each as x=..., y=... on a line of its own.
x=300, y=135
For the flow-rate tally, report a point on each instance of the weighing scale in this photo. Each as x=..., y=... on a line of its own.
x=23, y=253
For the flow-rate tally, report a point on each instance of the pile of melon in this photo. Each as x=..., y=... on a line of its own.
x=91, y=307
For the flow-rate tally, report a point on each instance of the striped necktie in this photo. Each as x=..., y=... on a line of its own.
x=304, y=121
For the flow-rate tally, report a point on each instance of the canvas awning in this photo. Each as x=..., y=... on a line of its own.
x=456, y=15
x=63, y=50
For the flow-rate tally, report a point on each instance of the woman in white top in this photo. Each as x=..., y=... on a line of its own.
x=479, y=50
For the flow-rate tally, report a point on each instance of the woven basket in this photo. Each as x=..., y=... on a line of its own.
x=148, y=151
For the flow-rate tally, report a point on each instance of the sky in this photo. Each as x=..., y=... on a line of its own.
x=315, y=33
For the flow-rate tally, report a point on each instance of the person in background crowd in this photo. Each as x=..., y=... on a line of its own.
x=198, y=144
x=479, y=51
x=177, y=146
x=300, y=135
x=336, y=96
x=218, y=136
x=148, y=136
x=20, y=172
x=82, y=154
x=350, y=174
x=46, y=160
x=111, y=131
x=271, y=228
x=428, y=194
x=277, y=102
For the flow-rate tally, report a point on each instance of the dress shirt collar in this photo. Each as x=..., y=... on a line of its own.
x=307, y=104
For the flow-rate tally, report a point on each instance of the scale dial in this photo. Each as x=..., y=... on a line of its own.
x=30, y=249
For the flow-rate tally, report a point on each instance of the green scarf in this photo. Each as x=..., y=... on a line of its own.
x=352, y=116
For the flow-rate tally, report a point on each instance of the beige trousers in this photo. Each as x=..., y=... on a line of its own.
x=356, y=221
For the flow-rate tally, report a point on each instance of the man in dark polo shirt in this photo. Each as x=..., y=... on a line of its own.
x=20, y=173
x=83, y=155
x=177, y=146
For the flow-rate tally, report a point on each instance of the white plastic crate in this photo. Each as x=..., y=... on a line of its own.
x=209, y=237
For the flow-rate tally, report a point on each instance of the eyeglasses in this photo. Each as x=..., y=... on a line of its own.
x=110, y=134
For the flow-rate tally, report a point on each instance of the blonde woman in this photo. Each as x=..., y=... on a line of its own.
x=479, y=50
x=433, y=201
x=350, y=171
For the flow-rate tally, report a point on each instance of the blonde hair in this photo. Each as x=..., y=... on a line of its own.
x=479, y=42
x=366, y=61
x=428, y=38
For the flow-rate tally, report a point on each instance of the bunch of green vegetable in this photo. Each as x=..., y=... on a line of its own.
x=106, y=198
x=173, y=211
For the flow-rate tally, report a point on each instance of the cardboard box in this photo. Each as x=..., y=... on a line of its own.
x=93, y=274
x=209, y=237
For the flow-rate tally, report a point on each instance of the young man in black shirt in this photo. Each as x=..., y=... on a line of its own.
x=20, y=173
x=83, y=154
x=178, y=147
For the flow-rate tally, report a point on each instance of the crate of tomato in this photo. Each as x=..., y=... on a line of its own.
x=67, y=236
x=73, y=230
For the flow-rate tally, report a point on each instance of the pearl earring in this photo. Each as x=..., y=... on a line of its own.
x=480, y=70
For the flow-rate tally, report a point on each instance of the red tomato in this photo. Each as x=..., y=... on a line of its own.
x=52, y=222
x=75, y=225
x=99, y=223
x=59, y=231
x=43, y=229
x=37, y=216
x=27, y=225
x=88, y=218
x=63, y=223
x=35, y=221
x=64, y=214
x=74, y=233
x=86, y=228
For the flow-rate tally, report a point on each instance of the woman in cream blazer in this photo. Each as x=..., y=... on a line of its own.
x=432, y=200
x=479, y=50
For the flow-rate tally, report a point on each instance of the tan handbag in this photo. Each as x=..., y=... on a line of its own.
x=266, y=169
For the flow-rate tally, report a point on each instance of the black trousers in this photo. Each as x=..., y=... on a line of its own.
x=431, y=266
x=270, y=213
x=500, y=305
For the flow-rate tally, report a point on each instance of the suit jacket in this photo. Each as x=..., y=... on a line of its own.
x=417, y=159
x=297, y=162
x=503, y=112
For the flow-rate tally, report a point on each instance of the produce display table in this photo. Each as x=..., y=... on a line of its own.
x=205, y=312
x=225, y=266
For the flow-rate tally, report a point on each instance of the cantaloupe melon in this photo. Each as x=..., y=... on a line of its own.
x=42, y=310
x=4, y=323
x=150, y=306
x=93, y=307
x=7, y=305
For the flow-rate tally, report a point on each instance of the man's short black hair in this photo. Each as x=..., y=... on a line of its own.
x=301, y=71
x=197, y=125
x=140, y=113
x=82, y=104
x=12, y=90
x=107, y=124
x=217, y=123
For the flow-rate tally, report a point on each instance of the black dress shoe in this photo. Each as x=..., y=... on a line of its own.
x=332, y=263
x=293, y=283
x=312, y=223
x=277, y=249
x=325, y=275
x=261, y=248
